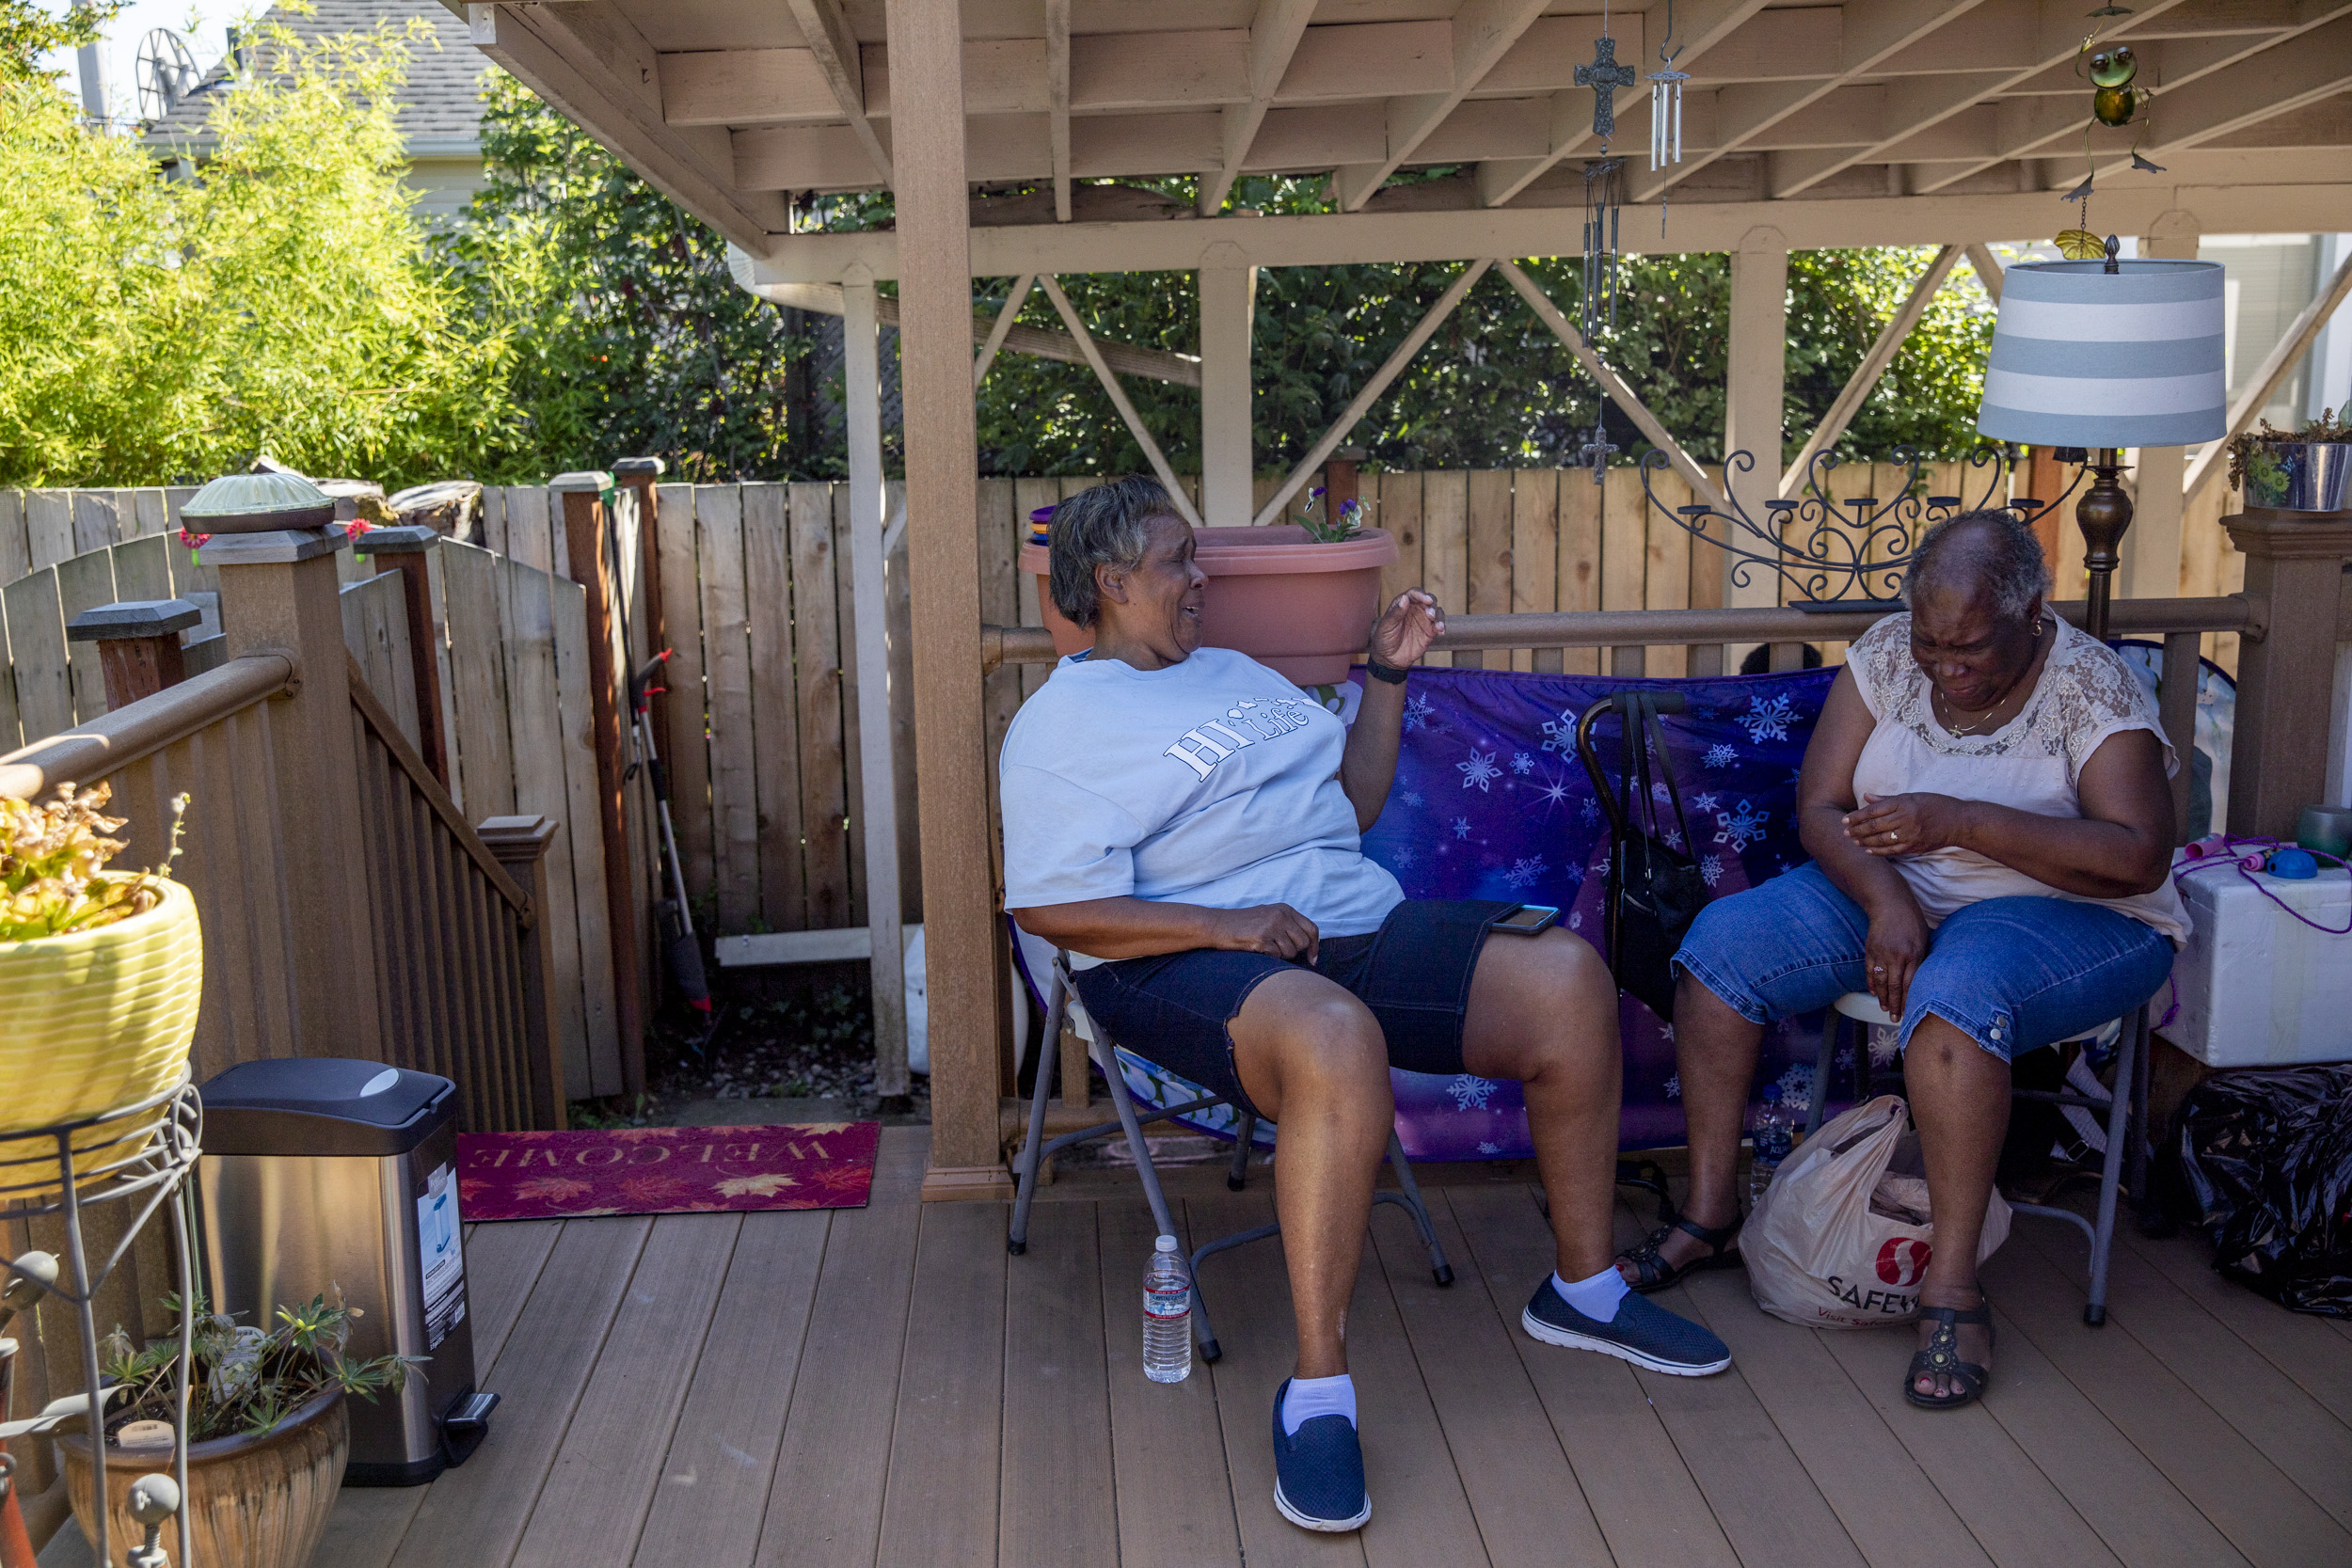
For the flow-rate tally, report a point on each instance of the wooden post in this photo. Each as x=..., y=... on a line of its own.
x=942, y=559
x=1339, y=482
x=2152, y=550
x=877, y=802
x=520, y=844
x=592, y=567
x=1756, y=387
x=408, y=551
x=640, y=474
x=2279, y=758
x=138, y=645
x=279, y=594
x=1228, y=461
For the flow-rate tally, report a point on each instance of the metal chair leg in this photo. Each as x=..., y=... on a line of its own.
x=1126, y=1105
x=1416, y=1206
x=1246, y=1129
x=1017, y=1238
x=1832, y=1031
x=2133, y=1040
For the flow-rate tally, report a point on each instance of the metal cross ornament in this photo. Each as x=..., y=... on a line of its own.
x=1605, y=76
x=1596, y=452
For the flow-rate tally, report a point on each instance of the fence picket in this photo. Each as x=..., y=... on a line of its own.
x=900, y=597
x=852, y=751
x=16, y=551
x=775, y=714
x=85, y=582
x=579, y=822
x=816, y=659
x=1536, y=557
x=94, y=520
x=1397, y=508
x=726, y=645
x=1028, y=495
x=1624, y=552
x=1001, y=527
x=485, y=775
x=686, y=747
x=1445, y=549
x=1486, y=555
x=1667, y=585
x=143, y=568
x=49, y=526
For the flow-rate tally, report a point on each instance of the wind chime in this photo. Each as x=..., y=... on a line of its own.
x=2116, y=99
x=1604, y=205
x=1665, y=107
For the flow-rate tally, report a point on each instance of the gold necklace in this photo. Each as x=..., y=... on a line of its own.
x=1985, y=715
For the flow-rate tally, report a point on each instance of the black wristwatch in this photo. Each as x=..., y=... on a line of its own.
x=1380, y=671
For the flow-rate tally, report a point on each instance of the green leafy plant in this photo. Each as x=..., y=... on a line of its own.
x=246, y=1379
x=53, y=865
x=1324, y=528
x=2254, y=453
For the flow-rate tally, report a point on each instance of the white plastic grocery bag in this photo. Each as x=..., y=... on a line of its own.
x=1843, y=1234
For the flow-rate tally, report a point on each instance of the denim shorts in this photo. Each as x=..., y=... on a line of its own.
x=1414, y=973
x=2014, y=974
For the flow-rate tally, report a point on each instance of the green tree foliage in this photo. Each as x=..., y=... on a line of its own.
x=629, y=336
x=283, y=302
x=28, y=30
x=1493, y=388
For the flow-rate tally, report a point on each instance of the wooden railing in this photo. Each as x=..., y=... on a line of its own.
x=461, y=952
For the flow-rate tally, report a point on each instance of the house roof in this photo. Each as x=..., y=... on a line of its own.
x=441, y=104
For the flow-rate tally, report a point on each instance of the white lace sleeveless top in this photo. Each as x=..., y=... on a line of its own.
x=2085, y=696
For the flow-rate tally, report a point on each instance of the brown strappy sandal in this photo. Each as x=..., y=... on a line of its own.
x=1968, y=1378
x=1650, y=1263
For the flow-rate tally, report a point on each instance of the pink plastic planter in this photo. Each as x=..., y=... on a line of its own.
x=1299, y=608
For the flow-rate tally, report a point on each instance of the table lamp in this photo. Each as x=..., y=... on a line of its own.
x=2104, y=355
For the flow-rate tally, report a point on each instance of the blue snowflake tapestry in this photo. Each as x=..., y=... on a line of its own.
x=1491, y=802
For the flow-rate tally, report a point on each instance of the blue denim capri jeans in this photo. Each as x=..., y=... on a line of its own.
x=2014, y=974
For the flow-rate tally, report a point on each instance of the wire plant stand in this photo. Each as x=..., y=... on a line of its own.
x=140, y=1155
x=1824, y=558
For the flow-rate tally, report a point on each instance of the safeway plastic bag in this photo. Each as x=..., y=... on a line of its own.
x=2264, y=1164
x=1843, y=1235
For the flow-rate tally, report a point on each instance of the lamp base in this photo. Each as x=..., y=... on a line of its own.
x=2104, y=513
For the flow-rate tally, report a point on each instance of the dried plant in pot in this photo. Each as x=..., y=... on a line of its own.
x=268, y=1431
x=2304, y=471
x=101, y=971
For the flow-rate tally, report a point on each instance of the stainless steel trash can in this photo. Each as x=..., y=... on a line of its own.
x=321, y=1170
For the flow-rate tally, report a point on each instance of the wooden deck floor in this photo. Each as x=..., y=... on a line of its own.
x=886, y=1386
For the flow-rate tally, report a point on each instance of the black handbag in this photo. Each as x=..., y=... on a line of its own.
x=1654, y=890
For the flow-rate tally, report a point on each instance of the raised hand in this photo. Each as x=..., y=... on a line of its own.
x=1406, y=629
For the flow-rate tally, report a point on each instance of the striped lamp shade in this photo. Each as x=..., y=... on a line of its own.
x=2085, y=358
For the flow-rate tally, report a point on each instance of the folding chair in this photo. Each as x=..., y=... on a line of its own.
x=1101, y=1052
x=2126, y=1159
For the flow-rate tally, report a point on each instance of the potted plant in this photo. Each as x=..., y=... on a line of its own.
x=267, y=1431
x=2298, y=471
x=1298, y=597
x=100, y=973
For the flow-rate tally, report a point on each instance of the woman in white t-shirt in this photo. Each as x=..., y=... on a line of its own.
x=1984, y=799
x=1191, y=819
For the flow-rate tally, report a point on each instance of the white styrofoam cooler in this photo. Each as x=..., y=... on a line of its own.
x=2259, y=988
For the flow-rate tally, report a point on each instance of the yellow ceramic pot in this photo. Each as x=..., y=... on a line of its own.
x=94, y=1020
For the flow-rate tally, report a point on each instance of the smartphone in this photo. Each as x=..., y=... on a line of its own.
x=1525, y=920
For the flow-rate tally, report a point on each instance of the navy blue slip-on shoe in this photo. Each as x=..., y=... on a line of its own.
x=1319, y=1472
x=1642, y=1332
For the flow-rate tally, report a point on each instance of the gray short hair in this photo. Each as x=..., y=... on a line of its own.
x=1993, y=552
x=1109, y=525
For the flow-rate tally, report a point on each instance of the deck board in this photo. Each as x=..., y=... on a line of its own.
x=723, y=1458
x=1057, y=1508
x=885, y=1385
x=601, y=1486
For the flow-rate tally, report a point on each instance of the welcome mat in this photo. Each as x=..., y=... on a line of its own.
x=664, y=1170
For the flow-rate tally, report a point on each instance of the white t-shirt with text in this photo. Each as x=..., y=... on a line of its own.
x=1212, y=781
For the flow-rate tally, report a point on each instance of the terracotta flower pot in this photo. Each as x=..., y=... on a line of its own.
x=253, y=1503
x=1299, y=608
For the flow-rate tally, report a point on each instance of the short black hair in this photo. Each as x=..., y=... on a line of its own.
x=1108, y=525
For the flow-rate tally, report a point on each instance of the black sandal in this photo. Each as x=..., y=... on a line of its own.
x=1656, y=1274
x=1941, y=1356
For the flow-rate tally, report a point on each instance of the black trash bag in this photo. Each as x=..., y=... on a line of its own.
x=2263, y=1161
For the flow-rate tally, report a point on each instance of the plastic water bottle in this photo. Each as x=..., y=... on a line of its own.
x=1166, y=1314
x=1776, y=1134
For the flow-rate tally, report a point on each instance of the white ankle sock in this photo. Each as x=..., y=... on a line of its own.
x=1597, y=1297
x=1309, y=1397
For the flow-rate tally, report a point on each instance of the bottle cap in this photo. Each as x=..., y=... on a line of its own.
x=1166, y=1244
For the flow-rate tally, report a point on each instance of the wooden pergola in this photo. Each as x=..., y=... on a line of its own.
x=1876, y=122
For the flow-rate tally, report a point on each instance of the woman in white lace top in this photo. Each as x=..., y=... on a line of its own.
x=1986, y=805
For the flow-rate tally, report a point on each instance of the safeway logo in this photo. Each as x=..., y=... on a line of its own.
x=1903, y=1260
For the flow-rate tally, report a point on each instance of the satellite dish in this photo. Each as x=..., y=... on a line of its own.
x=167, y=73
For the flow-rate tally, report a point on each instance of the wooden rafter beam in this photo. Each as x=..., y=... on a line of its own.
x=828, y=35
x=1135, y=426
x=996, y=334
x=1482, y=33
x=2275, y=368
x=588, y=61
x=1370, y=393
x=1698, y=29
x=1612, y=383
x=1274, y=35
x=1866, y=377
x=1989, y=270
x=1871, y=39
x=1057, y=102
